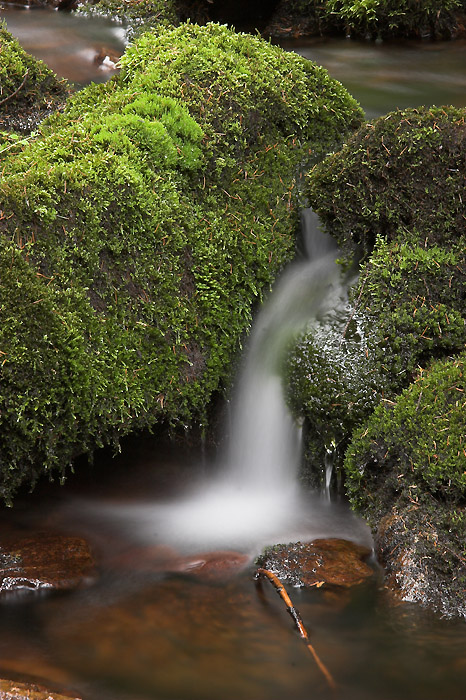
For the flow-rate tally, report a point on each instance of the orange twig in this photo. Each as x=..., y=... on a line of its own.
x=280, y=588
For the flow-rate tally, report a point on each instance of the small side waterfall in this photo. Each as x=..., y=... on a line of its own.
x=264, y=446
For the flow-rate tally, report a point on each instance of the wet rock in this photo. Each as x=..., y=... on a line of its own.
x=216, y=565
x=44, y=561
x=421, y=553
x=11, y=690
x=107, y=59
x=322, y=562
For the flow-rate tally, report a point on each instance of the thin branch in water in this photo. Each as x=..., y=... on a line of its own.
x=5, y=99
x=281, y=590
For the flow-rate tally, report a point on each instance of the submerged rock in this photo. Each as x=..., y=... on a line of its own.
x=332, y=562
x=44, y=561
x=14, y=690
x=182, y=638
x=215, y=565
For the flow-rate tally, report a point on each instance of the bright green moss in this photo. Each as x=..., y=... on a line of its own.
x=413, y=444
x=148, y=217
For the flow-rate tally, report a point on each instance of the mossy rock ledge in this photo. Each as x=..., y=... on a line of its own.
x=138, y=229
x=381, y=386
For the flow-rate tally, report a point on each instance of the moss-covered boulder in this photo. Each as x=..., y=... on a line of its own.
x=138, y=229
x=394, y=194
x=386, y=378
x=400, y=176
x=406, y=470
x=29, y=91
x=334, y=384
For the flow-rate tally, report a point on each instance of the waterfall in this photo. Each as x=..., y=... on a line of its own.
x=254, y=497
x=264, y=446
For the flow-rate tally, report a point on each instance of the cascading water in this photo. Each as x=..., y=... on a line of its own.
x=255, y=498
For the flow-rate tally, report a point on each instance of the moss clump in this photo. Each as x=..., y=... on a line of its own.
x=401, y=18
x=405, y=471
x=413, y=298
x=137, y=230
x=28, y=89
x=414, y=444
x=400, y=176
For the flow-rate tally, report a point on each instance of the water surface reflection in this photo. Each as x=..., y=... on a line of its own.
x=386, y=76
x=72, y=46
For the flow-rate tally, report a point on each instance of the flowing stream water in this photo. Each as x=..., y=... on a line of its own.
x=252, y=496
x=147, y=631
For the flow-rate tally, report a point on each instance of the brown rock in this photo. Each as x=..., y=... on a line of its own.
x=44, y=560
x=216, y=565
x=322, y=562
x=11, y=690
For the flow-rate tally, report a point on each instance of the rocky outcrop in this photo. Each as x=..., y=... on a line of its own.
x=387, y=396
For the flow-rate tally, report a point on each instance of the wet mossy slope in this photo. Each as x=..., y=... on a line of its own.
x=137, y=230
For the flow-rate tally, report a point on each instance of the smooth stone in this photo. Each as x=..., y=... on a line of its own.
x=322, y=562
x=216, y=565
x=12, y=690
x=44, y=560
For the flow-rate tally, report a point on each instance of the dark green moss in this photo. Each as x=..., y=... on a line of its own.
x=399, y=177
x=146, y=219
x=413, y=298
x=334, y=383
x=28, y=89
x=401, y=18
x=414, y=444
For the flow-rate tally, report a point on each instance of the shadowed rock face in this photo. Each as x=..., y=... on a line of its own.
x=242, y=13
x=322, y=562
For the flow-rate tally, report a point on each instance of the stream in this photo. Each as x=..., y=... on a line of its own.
x=147, y=626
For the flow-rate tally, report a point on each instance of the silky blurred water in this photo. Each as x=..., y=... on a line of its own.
x=73, y=47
